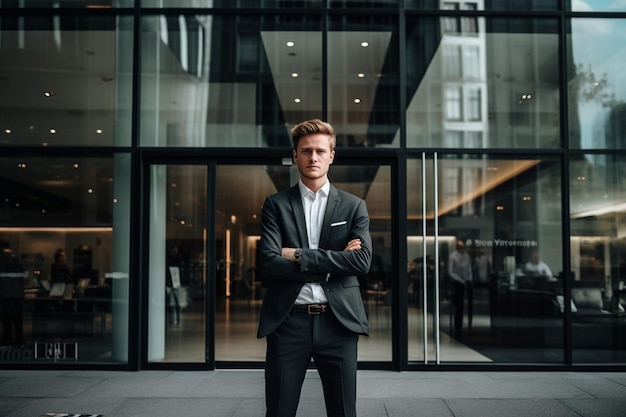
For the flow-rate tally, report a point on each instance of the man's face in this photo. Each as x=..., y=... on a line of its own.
x=313, y=156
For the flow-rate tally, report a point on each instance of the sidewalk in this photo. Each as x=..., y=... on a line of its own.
x=233, y=393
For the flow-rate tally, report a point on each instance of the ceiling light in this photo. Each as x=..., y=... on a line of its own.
x=357, y=100
x=99, y=131
x=53, y=131
x=290, y=44
x=75, y=166
x=297, y=100
x=294, y=74
x=364, y=44
x=360, y=75
x=7, y=131
x=48, y=93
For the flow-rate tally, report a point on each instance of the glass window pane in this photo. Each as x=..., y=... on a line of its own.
x=233, y=4
x=597, y=84
x=177, y=267
x=65, y=80
x=64, y=231
x=228, y=81
x=363, y=86
x=528, y=5
x=598, y=258
x=596, y=6
x=505, y=86
x=502, y=308
x=354, y=4
x=65, y=4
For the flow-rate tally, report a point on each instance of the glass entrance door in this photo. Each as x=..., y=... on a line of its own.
x=204, y=286
x=484, y=250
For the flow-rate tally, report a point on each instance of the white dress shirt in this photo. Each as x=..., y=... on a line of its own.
x=314, y=205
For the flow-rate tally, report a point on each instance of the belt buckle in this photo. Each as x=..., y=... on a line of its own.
x=314, y=309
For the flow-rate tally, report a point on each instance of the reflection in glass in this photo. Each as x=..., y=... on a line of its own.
x=230, y=4
x=483, y=5
x=65, y=81
x=596, y=6
x=363, y=87
x=178, y=212
x=64, y=276
x=597, y=92
x=197, y=92
x=598, y=258
x=502, y=210
x=79, y=4
x=488, y=84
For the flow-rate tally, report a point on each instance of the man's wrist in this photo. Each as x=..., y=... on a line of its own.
x=298, y=254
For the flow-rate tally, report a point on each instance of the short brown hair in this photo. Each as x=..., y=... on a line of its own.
x=312, y=127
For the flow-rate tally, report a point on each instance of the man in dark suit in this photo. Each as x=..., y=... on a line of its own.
x=315, y=242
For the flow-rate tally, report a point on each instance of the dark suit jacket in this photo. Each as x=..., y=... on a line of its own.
x=283, y=225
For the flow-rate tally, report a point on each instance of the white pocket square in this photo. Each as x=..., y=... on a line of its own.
x=338, y=223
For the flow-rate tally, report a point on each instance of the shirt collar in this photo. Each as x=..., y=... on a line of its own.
x=304, y=190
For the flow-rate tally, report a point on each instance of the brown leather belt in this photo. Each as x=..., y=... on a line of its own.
x=311, y=309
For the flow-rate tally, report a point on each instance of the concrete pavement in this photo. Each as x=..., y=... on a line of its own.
x=236, y=393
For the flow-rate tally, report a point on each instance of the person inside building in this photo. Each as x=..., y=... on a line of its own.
x=315, y=243
x=59, y=271
x=535, y=266
x=460, y=273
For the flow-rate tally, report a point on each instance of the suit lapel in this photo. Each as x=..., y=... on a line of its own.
x=329, y=215
x=298, y=213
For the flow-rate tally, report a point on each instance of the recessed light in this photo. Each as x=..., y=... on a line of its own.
x=290, y=44
x=297, y=100
x=365, y=44
x=360, y=75
x=357, y=100
x=53, y=131
x=48, y=93
x=294, y=74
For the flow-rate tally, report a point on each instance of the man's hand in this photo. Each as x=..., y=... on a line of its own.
x=354, y=244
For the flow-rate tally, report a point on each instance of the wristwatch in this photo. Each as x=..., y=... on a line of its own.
x=298, y=254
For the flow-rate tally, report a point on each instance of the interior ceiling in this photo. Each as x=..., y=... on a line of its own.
x=354, y=61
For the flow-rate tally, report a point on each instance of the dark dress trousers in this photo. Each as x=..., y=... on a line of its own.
x=330, y=337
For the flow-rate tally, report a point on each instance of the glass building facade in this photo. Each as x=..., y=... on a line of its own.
x=138, y=140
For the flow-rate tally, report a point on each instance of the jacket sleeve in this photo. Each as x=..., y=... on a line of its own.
x=316, y=264
x=273, y=239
